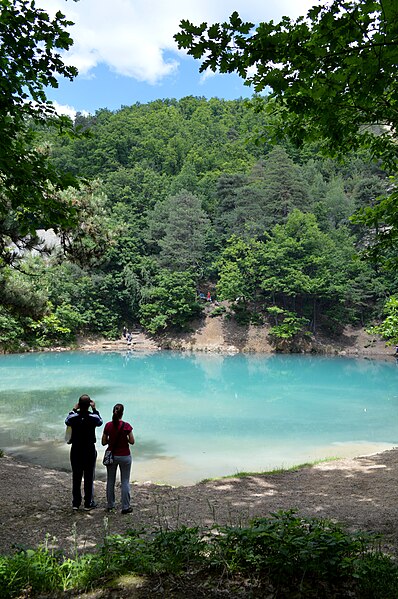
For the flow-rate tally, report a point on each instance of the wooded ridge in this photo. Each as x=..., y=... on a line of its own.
x=181, y=199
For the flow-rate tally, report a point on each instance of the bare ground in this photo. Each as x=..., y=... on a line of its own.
x=222, y=335
x=361, y=493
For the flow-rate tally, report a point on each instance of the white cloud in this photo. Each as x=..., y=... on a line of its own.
x=206, y=75
x=132, y=36
x=67, y=110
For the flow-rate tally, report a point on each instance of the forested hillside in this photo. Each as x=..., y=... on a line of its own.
x=179, y=198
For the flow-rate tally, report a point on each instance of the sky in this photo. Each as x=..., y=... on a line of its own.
x=125, y=51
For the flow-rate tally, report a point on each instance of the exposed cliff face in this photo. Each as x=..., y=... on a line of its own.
x=218, y=334
x=223, y=334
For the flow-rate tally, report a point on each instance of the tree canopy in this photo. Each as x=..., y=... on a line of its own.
x=203, y=209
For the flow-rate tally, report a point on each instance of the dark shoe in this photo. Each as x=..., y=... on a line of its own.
x=74, y=508
x=90, y=507
x=128, y=511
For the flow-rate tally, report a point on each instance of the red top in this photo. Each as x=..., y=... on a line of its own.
x=117, y=437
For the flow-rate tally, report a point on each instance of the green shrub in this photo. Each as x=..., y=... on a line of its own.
x=11, y=331
x=218, y=311
x=284, y=555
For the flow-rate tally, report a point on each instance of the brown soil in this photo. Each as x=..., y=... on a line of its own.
x=222, y=335
x=359, y=492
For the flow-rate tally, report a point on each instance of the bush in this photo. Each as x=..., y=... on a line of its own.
x=218, y=311
x=11, y=331
x=281, y=556
x=30, y=572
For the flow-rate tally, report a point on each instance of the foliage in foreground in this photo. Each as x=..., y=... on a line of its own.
x=388, y=329
x=30, y=59
x=284, y=555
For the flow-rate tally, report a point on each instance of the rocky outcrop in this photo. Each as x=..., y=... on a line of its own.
x=221, y=334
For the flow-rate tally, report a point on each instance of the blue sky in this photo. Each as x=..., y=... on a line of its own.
x=125, y=51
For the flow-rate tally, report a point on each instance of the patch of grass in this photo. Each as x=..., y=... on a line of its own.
x=1, y=453
x=280, y=470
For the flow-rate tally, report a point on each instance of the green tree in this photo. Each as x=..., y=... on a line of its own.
x=11, y=331
x=336, y=206
x=83, y=301
x=171, y=300
x=252, y=204
x=388, y=329
x=87, y=242
x=179, y=226
x=22, y=292
x=332, y=78
x=296, y=263
x=238, y=270
x=248, y=218
x=30, y=61
x=287, y=326
x=283, y=187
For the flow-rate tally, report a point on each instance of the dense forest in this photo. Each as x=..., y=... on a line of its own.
x=178, y=198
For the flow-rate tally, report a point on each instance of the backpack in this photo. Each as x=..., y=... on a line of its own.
x=68, y=435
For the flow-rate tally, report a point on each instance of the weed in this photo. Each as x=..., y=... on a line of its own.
x=288, y=555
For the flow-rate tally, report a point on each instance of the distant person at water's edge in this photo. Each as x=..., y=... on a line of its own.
x=83, y=454
x=118, y=435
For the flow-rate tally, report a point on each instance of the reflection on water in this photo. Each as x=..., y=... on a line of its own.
x=201, y=415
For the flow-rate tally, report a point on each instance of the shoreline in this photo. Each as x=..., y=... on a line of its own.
x=218, y=335
x=166, y=468
x=165, y=472
x=360, y=493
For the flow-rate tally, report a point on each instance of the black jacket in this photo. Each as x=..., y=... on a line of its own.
x=83, y=426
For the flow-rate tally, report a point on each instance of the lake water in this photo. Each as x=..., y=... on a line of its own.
x=200, y=415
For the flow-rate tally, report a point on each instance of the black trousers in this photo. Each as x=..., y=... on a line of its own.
x=82, y=460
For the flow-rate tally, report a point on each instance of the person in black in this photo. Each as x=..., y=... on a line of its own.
x=83, y=454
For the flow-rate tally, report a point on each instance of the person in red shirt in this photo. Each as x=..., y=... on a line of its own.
x=118, y=435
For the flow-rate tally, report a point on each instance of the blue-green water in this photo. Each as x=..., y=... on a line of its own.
x=201, y=415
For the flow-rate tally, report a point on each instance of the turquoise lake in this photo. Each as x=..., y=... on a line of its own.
x=202, y=415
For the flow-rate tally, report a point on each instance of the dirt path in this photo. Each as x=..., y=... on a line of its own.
x=360, y=493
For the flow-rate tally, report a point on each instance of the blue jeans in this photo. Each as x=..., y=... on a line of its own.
x=124, y=463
